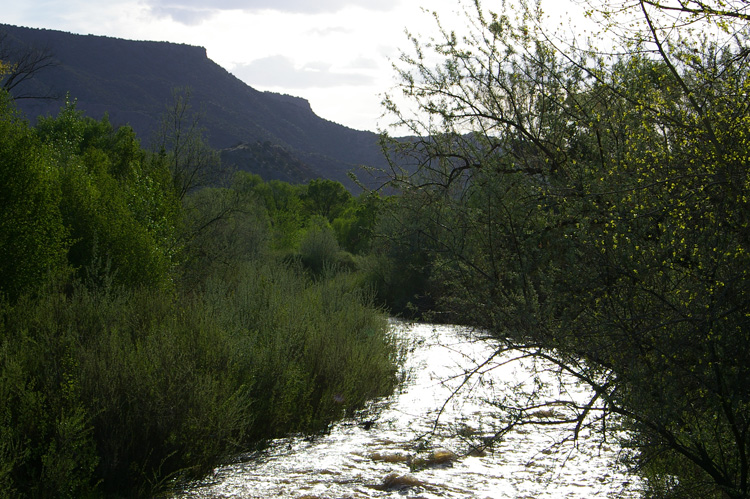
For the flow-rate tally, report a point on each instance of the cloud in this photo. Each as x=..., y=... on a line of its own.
x=334, y=30
x=193, y=12
x=363, y=63
x=183, y=15
x=280, y=71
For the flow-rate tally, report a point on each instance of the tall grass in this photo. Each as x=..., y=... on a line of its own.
x=114, y=392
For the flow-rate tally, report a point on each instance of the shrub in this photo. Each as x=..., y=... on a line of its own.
x=114, y=391
x=318, y=248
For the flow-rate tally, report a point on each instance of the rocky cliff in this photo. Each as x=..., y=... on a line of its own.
x=132, y=81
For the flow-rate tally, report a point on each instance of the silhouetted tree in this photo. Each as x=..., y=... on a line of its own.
x=591, y=211
x=22, y=63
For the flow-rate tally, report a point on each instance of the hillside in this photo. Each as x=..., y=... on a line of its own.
x=274, y=135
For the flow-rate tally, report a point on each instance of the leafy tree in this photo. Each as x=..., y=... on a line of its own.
x=326, y=198
x=32, y=236
x=593, y=212
x=355, y=226
x=285, y=210
x=225, y=226
x=118, y=207
x=318, y=248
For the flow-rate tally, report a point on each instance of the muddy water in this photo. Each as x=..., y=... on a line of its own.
x=400, y=451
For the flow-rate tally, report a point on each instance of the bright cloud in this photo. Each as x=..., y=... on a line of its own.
x=279, y=71
x=192, y=12
x=184, y=15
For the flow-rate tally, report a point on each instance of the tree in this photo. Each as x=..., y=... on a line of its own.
x=223, y=227
x=592, y=211
x=118, y=207
x=327, y=198
x=32, y=237
x=355, y=225
x=22, y=63
x=286, y=212
x=181, y=144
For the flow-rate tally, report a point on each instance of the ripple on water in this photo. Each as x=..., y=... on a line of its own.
x=390, y=456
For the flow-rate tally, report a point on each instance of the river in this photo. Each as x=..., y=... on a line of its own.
x=396, y=449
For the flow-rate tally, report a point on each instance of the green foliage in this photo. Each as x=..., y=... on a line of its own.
x=32, y=236
x=303, y=219
x=182, y=338
x=46, y=431
x=326, y=198
x=115, y=203
x=145, y=391
x=318, y=249
x=222, y=227
x=595, y=211
x=317, y=350
x=355, y=226
x=399, y=266
x=122, y=392
x=284, y=206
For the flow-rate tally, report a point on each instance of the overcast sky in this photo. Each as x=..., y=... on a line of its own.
x=335, y=53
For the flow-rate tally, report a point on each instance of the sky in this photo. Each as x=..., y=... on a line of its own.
x=337, y=54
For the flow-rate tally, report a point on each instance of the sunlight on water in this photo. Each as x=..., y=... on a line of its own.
x=384, y=456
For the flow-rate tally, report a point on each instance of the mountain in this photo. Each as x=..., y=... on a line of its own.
x=274, y=135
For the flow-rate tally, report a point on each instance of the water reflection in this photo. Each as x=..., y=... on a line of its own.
x=403, y=452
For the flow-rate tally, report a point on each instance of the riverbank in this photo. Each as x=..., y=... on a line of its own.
x=397, y=449
x=123, y=393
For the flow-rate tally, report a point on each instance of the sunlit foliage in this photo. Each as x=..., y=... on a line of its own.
x=593, y=209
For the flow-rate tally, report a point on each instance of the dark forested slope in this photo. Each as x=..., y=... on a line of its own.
x=133, y=82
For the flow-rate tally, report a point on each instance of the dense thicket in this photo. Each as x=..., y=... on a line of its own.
x=151, y=326
x=593, y=211
x=32, y=237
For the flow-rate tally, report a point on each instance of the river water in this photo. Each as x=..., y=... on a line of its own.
x=397, y=449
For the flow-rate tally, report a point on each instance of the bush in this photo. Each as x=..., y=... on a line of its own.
x=319, y=248
x=318, y=350
x=113, y=391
